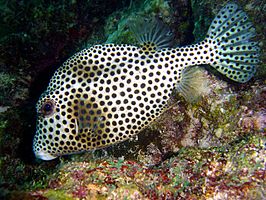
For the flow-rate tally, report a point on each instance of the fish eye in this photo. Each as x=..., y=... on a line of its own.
x=47, y=108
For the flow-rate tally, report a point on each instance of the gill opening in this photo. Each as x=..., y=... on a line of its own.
x=76, y=126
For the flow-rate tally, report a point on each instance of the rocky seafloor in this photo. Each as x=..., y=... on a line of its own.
x=213, y=148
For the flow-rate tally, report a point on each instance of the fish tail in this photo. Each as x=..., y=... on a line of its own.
x=232, y=52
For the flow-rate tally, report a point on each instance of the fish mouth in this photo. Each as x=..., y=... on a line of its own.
x=44, y=156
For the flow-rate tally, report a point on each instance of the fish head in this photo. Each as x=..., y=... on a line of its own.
x=56, y=127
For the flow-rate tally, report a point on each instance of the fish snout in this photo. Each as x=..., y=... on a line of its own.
x=44, y=155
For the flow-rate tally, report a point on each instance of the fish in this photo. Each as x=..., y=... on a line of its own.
x=108, y=93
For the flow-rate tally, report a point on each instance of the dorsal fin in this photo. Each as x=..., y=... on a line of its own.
x=151, y=34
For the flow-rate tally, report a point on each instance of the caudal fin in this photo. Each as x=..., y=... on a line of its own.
x=236, y=56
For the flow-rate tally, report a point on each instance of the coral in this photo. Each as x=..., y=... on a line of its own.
x=205, y=174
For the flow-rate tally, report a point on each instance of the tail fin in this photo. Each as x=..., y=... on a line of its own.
x=230, y=33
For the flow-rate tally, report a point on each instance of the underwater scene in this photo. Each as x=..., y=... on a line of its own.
x=132, y=99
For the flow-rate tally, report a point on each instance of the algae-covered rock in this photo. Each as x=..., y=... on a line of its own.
x=209, y=173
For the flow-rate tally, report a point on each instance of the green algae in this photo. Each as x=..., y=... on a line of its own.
x=7, y=80
x=221, y=118
x=57, y=195
x=193, y=173
x=3, y=124
x=7, y=87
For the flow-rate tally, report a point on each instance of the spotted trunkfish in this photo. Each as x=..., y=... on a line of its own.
x=108, y=93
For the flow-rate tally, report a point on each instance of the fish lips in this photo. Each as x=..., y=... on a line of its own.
x=44, y=155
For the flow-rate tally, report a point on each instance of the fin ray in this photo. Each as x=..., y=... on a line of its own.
x=230, y=34
x=151, y=31
x=193, y=85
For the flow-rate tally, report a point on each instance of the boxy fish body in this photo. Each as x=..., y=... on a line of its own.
x=108, y=93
